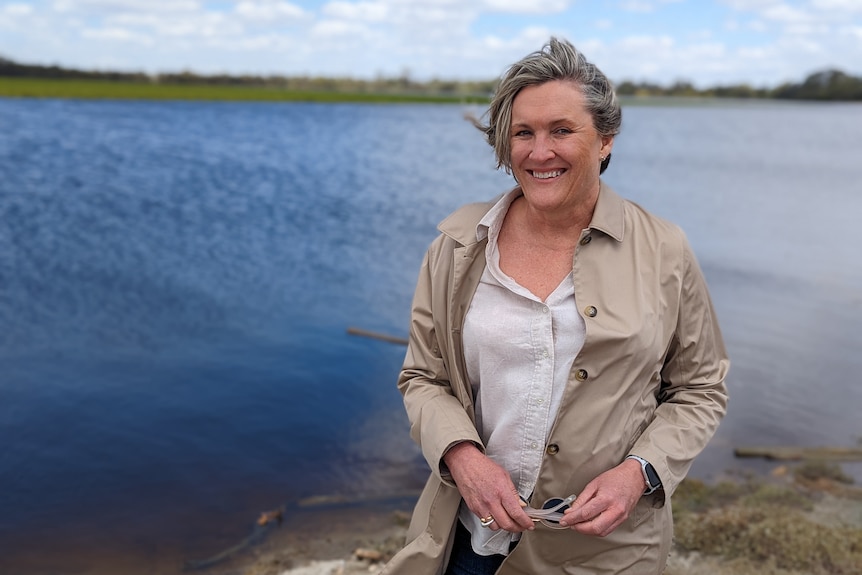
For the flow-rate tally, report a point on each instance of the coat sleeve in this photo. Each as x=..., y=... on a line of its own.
x=438, y=419
x=693, y=396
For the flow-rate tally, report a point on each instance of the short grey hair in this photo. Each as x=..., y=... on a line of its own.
x=557, y=60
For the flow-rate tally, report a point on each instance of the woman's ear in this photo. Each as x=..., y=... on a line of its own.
x=607, y=146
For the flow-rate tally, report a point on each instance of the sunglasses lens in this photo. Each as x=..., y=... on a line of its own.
x=549, y=504
x=553, y=502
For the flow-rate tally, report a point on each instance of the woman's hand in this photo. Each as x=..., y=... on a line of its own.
x=486, y=488
x=607, y=500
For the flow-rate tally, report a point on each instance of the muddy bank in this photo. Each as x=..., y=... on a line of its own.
x=803, y=518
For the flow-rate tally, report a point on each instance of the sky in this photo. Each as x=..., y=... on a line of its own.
x=707, y=42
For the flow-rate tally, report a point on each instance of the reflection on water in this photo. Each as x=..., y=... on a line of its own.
x=176, y=280
x=771, y=214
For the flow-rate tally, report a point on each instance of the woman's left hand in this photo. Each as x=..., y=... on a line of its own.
x=607, y=500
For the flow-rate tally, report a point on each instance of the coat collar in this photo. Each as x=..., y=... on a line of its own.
x=608, y=217
x=461, y=224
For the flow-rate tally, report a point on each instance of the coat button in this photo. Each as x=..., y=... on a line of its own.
x=586, y=240
x=591, y=311
x=582, y=375
x=553, y=449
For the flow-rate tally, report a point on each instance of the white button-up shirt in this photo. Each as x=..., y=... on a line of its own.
x=519, y=352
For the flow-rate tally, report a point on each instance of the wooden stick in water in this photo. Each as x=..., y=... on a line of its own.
x=800, y=453
x=376, y=335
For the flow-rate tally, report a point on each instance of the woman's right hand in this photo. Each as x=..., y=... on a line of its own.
x=486, y=488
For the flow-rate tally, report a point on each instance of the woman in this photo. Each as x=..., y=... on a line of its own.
x=562, y=343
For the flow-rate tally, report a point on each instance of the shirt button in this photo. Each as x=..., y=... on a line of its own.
x=553, y=449
x=586, y=240
x=545, y=353
x=581, y=375
x=591, y=311
x=535, y=445
x=545, y=309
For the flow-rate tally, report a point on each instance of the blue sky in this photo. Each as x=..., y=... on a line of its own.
x=707, y=42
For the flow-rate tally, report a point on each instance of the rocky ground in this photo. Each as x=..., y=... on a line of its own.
x=804, y=519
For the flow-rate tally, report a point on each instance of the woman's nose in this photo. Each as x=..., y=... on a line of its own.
x=542, y=148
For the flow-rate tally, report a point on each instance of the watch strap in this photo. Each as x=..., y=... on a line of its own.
x=652, y=481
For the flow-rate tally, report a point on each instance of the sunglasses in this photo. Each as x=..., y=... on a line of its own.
x=551, y=512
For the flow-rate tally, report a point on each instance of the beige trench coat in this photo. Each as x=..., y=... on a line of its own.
x=649, y=381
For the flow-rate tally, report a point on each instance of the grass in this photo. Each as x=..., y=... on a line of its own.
x=16, y=87
x=101, y=89
x=762, y=527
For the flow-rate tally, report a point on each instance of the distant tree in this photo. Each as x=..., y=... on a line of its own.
x=739, y=91
x=682, y=88
x=626, y=88
x=823, y=85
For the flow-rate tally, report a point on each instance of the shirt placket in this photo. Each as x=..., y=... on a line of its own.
x=536, y=416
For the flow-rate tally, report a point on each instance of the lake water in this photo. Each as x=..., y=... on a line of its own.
x=176, y=281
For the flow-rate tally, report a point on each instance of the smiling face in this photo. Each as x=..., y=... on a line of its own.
x=556, y=150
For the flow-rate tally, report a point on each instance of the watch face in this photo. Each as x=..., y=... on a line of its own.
x=652, y=476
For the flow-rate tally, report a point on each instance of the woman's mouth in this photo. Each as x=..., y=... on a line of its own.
x=546, y=175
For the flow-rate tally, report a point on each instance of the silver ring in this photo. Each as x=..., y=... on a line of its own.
x=486, y=521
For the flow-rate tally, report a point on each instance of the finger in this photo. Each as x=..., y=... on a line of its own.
x=588, y=494
x=593, y=526
x=600, y=526
x=487, y=521
x=513, y=518
x=519, y=516
x=508, y=512
x=587, y=512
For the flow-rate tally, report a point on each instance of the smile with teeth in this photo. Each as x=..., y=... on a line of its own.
x=546, y=175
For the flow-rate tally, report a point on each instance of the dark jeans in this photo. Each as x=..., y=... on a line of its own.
x=465, y=561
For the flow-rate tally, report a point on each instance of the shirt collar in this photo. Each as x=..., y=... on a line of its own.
x=493, y=220
x=608, y=215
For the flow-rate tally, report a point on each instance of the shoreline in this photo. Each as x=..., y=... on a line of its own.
x=801, y=518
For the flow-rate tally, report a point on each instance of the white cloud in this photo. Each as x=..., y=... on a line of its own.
x=756, y=53
x=785, y=13
x=522, y=7
x=16, y=9
x=757, y=26
x=644, y=6
x=750, y=5
x=699, y=35
x=263, y=42
x=268, y=11
x=207, y=25
x=638, y=43
x=603, y=24
x=762, y=40
x=365, y=11
x=637, y=6
x=334, y=29
x=127, y=5
x=12, y=16
x=837, y=5
x=117, y=34
x=807, y=28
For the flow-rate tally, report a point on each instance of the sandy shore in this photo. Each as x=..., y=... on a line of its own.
x=802, y=519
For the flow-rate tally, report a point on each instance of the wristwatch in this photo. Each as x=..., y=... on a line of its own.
x=651, y=479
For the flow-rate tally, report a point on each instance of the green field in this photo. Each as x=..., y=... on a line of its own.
x=101, y=89
x=19, y=87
